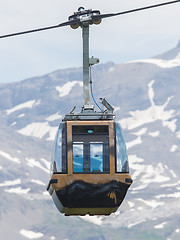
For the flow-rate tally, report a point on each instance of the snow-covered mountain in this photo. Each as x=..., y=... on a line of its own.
x=146, y=97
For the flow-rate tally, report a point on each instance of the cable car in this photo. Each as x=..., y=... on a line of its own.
x=90, y=172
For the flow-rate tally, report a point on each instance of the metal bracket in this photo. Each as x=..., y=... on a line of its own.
x=107, y=105
x=93, y=61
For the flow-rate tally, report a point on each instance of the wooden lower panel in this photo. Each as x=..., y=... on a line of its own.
x=65, y=179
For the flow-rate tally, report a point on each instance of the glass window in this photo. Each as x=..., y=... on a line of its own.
x=77, y=157
x=96, y=157
x=59, y=156
x=121, y=153
x=90, y=149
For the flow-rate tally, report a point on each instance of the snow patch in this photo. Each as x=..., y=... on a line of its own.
x=36, y=129
x=67, y=87
x=178, y=134
x=45, y=193
x=131, y=204
x=38, y=182
x=53, y=238
x=30, y=234
x=160, y=226
x=136, y=223
x=39, y=130
x=162, y=63
x=28, y=104
x=151, y=92
x=140, y=187
x=52, y=134
x=134, y=142
x=9, y=157
x=33, y=163
x=54, y=117
x=152, y=203
x=154, y=134
x=171, y=184
x=151, y=114
x=10, y=183
x=147, y=173
x=141, y=132
x=170, y=124
x=154, y=174
x=173, y=173
x=92, y=219
x=46, y=162
x=171, y=195
x=173, y=148
x=21, y=115
x=140, y=208
x=18, y=190
x=135, y=159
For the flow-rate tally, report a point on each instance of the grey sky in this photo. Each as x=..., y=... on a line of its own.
x=119, y=39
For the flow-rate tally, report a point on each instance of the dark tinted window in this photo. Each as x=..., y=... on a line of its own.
x=90, y=130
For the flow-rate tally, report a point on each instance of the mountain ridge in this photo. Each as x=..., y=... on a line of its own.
x=170, y=54
x=146, y=97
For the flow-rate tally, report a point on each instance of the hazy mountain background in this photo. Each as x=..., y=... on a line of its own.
x=146, y=97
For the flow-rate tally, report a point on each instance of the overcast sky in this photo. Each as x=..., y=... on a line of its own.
x=119, y=39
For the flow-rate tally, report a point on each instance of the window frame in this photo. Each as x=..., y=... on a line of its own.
x=88, y=145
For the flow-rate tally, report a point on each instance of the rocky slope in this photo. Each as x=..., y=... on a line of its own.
x=146, y=97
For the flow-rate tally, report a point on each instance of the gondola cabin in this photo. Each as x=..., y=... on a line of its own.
x=90, y=172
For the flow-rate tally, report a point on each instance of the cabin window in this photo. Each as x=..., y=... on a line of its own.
x=59, y=158
x=96, y=157
x=121, y=153
x=90, y=149
x=78, y=157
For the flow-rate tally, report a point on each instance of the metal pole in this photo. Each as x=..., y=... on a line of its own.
x=86, y=90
